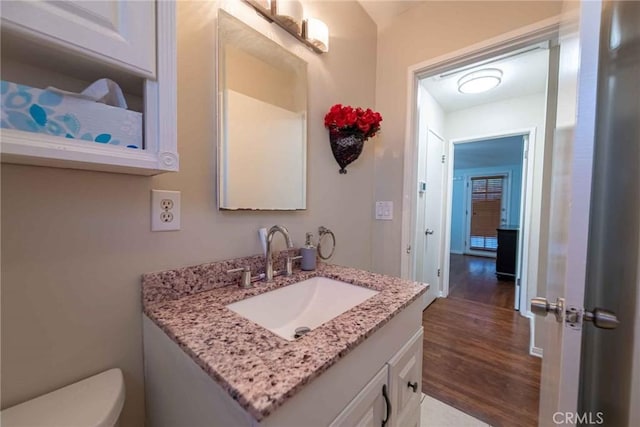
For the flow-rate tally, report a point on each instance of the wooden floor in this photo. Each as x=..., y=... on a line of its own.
x=474, y=278
x=476, y=355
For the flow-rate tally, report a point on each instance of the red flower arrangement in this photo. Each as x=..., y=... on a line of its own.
x=354, y=121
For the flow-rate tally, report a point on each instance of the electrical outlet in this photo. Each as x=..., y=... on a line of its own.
x=166, y=216
x=165, y=210
x=166, y=204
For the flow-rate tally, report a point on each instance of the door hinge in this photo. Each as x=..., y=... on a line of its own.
x=408, y=249
x=443, y=158
x=438, y=272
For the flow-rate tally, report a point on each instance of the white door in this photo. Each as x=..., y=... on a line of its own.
x=432, y=232
x=572, y=164
x=588, y=372
x=121, y=32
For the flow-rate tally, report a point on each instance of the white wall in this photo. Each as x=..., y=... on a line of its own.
x=497, y=117
x=74, y=243
x=433, y=112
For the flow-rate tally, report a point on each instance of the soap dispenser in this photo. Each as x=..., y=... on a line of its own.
x=308, y=252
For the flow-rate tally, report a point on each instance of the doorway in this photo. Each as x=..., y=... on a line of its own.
x=486, y=208
x=513, y=113
x=464, y=336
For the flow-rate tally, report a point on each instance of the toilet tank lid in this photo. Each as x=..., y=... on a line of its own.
x=92, y=402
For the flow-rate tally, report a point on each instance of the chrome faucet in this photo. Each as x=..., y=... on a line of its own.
x=272, y=231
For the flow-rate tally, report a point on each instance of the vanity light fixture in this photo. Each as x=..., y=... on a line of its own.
x=480, y=81
x=266, y=4
x=317, y=33
x=289, y=13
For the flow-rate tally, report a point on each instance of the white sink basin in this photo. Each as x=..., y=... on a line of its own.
x=309, y=303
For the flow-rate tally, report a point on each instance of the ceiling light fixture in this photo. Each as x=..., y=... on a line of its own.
x=480, y=81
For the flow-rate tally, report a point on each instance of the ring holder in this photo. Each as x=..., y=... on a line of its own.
x=322, y=232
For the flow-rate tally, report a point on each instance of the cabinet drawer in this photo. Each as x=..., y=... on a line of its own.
x=367, y=409
x=405, y=379
x=118, y=32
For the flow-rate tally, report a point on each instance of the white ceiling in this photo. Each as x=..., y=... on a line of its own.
x=384, y=11
x=488, y=153
x=524, y=74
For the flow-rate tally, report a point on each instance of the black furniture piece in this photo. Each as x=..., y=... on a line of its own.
x=507, y=253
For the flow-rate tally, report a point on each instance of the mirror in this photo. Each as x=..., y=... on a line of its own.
x=262, y=127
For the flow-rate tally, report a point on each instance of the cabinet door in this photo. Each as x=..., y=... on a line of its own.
x=368, y=408
x=405, y=382
x=119, y=32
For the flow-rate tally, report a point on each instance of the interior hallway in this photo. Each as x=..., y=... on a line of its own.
x=476, y=348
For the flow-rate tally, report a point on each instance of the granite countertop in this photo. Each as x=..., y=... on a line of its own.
x=259, y=369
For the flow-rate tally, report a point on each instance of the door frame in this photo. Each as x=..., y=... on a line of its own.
x=526, y=213
x=505, y=203
x=547, y=29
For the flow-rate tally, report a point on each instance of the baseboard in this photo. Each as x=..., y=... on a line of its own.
x=456, y=252
x=533, y=349
x=484, y=254
x=536, y=351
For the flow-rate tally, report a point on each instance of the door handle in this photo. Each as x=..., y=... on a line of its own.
x=387, y=403
x=601, y=318
x=540, y=307
x=429, y=231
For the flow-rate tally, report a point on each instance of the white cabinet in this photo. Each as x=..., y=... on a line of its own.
x=368, y=408
x=405, y=382
x=392, y=397
x=119, y=32
x=126, y=40
x=349, y=393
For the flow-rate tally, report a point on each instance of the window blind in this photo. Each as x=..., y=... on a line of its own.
x=486, y=208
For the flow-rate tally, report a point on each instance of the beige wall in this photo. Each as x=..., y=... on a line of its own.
x=423, y=33
x=74, y=243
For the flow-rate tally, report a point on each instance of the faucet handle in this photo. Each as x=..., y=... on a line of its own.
x=289, y=265
x=246, y=275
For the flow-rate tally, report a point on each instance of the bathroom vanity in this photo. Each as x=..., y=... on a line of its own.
x=205, y=364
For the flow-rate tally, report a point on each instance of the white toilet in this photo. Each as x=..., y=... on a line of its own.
x=93, y=402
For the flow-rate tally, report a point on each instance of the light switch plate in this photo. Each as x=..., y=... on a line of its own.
x=165, y=210
x=384, y=210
